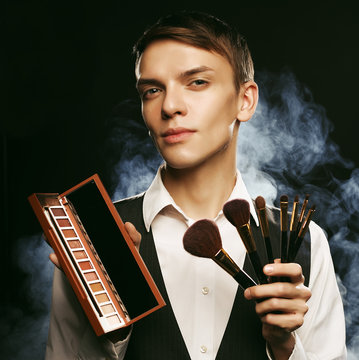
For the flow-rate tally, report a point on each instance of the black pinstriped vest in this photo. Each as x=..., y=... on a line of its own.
x=157, y=336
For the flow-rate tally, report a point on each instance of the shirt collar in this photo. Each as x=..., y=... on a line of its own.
x=157, y=198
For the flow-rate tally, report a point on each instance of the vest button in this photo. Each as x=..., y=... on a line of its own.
x=205, y=290
x=203, y=349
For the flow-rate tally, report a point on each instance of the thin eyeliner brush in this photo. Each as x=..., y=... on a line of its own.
x=293, y=224
x=284, y=228
x=302, y=212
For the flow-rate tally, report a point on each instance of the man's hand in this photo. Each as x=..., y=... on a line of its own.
x=132, y=232
x=281, y=306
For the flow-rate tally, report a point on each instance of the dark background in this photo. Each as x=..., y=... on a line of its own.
x=65, y=65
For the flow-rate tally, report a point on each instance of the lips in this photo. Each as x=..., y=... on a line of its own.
x=176, y=135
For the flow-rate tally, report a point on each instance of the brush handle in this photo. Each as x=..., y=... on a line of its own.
x=244, y=280
x=258, y=268
x=284, y=246
x=269, y=249
x=292, y=240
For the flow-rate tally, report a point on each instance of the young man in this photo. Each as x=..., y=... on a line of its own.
x=196, y=82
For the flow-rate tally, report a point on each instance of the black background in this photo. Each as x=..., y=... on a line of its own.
x=65, y=65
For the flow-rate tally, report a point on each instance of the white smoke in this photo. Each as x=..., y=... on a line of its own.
x=23, y=331
x=285, y=149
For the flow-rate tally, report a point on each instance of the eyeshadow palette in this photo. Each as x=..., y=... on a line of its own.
x=97, y=255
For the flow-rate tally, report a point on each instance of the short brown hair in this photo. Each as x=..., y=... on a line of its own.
x=203, y=31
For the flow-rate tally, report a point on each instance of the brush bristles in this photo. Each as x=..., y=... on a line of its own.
x=237, y=212
x=202, y=239
x=260, y=202
x=296, y=198
x=284, y=198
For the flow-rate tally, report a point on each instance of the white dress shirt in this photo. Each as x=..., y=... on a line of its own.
x=201, y=292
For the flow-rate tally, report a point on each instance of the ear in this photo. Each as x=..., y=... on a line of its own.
x=247, y=100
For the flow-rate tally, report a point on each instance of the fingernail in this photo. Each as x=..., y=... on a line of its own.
x=269, y=269
x=247, y=294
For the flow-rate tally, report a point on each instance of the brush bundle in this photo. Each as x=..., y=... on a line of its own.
x=203, y=237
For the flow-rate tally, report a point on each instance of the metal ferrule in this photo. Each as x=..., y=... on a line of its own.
x=247, y=238
x=301, y=217
x=284, y=216
x=294, y=219
x=226, y=262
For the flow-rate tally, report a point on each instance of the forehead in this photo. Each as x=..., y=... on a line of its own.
x=168, y=56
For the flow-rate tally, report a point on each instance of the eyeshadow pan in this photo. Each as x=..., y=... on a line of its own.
x=113, y=319
x=96, y=287
x=58, y=212
x=91, y=276
x=63, y=222
x=102, y=298
x=107, y=309
x=86, y=265
x=74, y=244
x=69, y=233
x=80, y=254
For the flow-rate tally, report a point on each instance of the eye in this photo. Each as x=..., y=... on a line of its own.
x=149, y=93
x=198, y=83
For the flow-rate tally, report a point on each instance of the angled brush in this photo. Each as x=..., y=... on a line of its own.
x=302, y=231
x=204, y=240
x=302, y=213
x=238, y=214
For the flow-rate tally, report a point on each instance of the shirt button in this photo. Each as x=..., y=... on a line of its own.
x=205, y=290
x=203, y=349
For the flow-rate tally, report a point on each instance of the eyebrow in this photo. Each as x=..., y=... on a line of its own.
x=182, y=75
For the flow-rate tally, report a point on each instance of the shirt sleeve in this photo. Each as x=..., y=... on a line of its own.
x=70, y=333
x=322, y=336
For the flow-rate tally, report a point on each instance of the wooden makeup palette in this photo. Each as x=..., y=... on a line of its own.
x=104, y=268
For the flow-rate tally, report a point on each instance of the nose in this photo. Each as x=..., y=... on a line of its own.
x=173, y=103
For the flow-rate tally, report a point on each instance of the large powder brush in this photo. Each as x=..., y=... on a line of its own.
x=237, y=212
x=203, y=239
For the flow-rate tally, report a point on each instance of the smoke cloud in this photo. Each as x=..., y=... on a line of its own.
x=23, y=332
x=284, y=149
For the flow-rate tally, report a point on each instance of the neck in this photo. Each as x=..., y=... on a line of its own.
x=202, y=190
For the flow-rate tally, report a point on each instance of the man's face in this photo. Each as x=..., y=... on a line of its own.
x=189, y=102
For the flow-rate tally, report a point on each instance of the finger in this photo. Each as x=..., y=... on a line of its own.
x=55, y=260
x=134, y=234
x=284, y=321
x=278, y=290
x=289, y=270
x=280, y=306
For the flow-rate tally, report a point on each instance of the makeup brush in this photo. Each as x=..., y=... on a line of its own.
x=302, y=212
x=238, y=213
x=284, y=228
x=293, y=224
x=204, y=240
x=263, y=222
x=302, y=231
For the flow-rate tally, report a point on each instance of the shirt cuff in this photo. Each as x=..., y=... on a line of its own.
x=298, y=352
x=119, y=348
